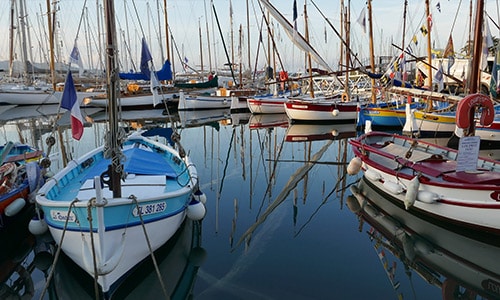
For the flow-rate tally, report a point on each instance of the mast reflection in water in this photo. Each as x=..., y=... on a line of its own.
x=276, y=226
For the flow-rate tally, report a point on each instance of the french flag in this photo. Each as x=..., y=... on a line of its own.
x=70, y=102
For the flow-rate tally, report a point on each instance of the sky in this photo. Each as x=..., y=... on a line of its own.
x=186, y=18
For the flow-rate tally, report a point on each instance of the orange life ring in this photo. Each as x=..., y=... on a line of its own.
x=283, y=76
x=344, y=97
x=467, y=106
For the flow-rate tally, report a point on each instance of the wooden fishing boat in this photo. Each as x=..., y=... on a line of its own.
x=113, y=207
x=437, y=182
x=19, y=177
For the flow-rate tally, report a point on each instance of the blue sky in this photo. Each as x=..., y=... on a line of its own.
x=185, y=17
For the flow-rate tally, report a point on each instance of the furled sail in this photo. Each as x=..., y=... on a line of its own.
x=295, y=36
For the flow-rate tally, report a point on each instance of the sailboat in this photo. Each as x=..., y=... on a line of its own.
x=114, y=206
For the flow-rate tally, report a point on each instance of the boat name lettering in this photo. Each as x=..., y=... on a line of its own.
x=61, y=216
x=492, y=286
x=495, y=195
x=150, y=209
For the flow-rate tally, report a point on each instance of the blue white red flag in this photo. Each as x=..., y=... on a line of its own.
x=69, y=101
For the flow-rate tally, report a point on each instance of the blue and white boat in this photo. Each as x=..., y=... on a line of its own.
x=114, y=206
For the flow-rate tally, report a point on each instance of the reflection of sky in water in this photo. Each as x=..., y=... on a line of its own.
x=298, y=238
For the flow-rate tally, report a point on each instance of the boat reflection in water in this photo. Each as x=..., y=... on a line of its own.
x=178, y=262
x=462, y=267
x=301, y=132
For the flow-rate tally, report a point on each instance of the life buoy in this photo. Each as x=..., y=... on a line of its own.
x=344, y=97
x=283, y=76
x=469, y=103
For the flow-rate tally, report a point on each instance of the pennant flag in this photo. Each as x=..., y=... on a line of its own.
x=438, y=77
x=362, y=19
x=75, y=58
x=69, y=101
x=295, y=15
x=449, y=51
x=423, y=29
x=145, y=59
x=415, y=40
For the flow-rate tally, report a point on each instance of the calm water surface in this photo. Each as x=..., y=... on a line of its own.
x=277, y=224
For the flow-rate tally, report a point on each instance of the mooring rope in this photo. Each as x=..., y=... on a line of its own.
x=58, y=252
x=134, y=199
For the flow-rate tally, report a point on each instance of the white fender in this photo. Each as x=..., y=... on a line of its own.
x=335, y=112
x=427, y=197
x=393, y=187
x=15, y=207
x=196, y=210
x=354, y=166
x=353, y=204
x=37, y=226
x=411, y=192
x=373, y=175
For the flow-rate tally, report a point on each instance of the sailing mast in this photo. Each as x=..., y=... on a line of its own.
x=115, y=168
x=429, y=54
x=11, y=38
x=311, y=88
x=50, y=15
x=372, y=55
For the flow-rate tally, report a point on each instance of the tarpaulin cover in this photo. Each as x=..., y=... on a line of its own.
x=138, y=161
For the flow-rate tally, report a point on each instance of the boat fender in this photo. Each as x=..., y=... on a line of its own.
x=335, y=132
x=37, y=226
x=408, y=247
x=353, y=204
x=427, y=197
x=368, y=126
x=196, y=210
x=15, y=207
x=393, y=187
x=411, y=192
x=335, y=112
x=354, y=166
x=372, y=175
x=200, y=196
x=469, y=103
x=357, y=193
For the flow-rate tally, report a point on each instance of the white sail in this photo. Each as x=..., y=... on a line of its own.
x=295, y=36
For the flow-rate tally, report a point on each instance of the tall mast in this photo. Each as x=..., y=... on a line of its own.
x=167, y=40
x=429, y=54
x=372, y=55
x=51, y=45
x=347, y=50
x=311, y=87
x=201, y=47
x=112, y=85
x=476, y=57
x=11, y=38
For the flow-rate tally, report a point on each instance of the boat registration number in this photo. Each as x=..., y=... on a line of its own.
x=149, y=209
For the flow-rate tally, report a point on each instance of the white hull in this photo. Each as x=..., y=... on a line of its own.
x=267, y=105
x=466, y=199
x=37, y=97
x=198, y=102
